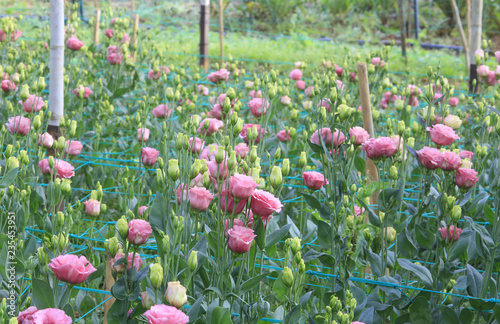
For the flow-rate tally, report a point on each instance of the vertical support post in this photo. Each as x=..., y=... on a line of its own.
x=461, y=31
x=402, y=27
x=221, y=31
x=134, y=36
x=364, y=91
x=204, y=32
x=475, y=41
x=56, y=67
x=96, y=29
x=108, y=283
x=132, y=7
x=417, y=19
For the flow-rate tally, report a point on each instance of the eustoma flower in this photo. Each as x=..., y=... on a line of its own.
x=50, y=316
x=163, y=314
x=264, y=203
x=450, y=234
x=442, y=134
x=313, y=180
x=92, y=207
x=466, y=178
x=32, y=104
x=139, y=231
x=62, y=169
x=71, y=268
x=120, y=268
x=379, y=148
x=149, y=155
x=240, y=239
x=19, y=125
x=176, y=294
x=241, y=186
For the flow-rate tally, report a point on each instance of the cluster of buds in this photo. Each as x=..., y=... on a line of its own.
x=338, y=313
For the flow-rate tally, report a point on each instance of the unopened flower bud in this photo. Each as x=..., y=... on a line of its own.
x=193, y=261
x=456, y=213
x=122, y=226
x=287, y=277
x=276, y=178
x=156, y=275
x=173, y=169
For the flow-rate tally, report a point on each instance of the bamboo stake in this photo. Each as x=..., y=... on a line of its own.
x=109, y=282
x=468, y=22
x=132, y=7
x=402, y=27
x=461, y=31
x=364, y=91
x=475, y=41
x=204, y=32
x=96, y=29
x=134, y=36
x=221, y=31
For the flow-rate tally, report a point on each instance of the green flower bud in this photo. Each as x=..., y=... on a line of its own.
x=9, y=151
x=219, y=156
x=173, y=169
x=367, y=234
x=253, y=153
x=113, y=246
x=302, y=160
x=231, y=93
x=295, y=245
x=193, y=261
x=276, y=178
x=12, y=162
x=156, y=275
x=456, y=213
x=287, y=277
x=391, y=234
x=285, y=167
x=393, y=172
x=43, y=258
x=122, y=226
x=25, y=92
x=195, y=169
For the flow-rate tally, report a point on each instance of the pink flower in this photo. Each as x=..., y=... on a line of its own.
x=264, y=203
x=141, y=210
x=115, y=58
x=297, y=64
x=19, y=125
x=125, y=38
x=87, y=92
x=8, y=85
x=3, y=36
x=376, y=61
x=450, y=161
x=466, y=178
x=313, y=180
x=26, y=316
x=442, y=134
x=50, y=316
x=92, y=207
x=236, y=221
x=176, y=294
x=336, y=138
x=450, y=234
x=163, y=314
x=161, y=111
x=32, y=104
x=497, y=55
x=358, y=210
x=241, y=186
x=71, y=268
x=112, y=49
x=241, y=150
x=295, y=74
x=62, y=168
x=218, y=170
x=479, y=52
x=339, y=71
x=203, y=90
x=254, y=94
x=199, y=198
x=139, y=231
x=301, y=85
x=398, y=141
x=120, y=268
x=359, y=135
x=196, y=144
x=430, y=158
x=453, y=101
x=466, y=154
x=497, y=71
x=231, y=207
x=45, y=140
x=379, y=148
x=15, y=35
x=156, y=76
x=218, y=76
x=258, y=106
x=240, y=239
x=247, y=127
x=284, y=135
x=143, y=134
x=73, y=148
x=286, y=101
x=483, y=71
x=209, y=126
x=149, y=156
x=491, y=78
x=325, y=103
x=109, y=33
x=74, y=43
x=208, y=153
x=309, y=90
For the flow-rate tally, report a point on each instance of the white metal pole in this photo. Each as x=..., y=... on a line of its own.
x=56, y=86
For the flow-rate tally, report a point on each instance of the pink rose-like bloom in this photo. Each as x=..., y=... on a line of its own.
x=297, y=64
x=450, y=234
x=203, y=90
x=139, y=231
x=358, y=210
x=19, y=125
x=196, y=144
x=258, y=106
x=73, y=148
x=197, y=181
x=248, y=127
x=241, y=150
x=109, y=33
x=339, y=71
x=284, y=135
x=112, y=49
x=120, y=268
x=497, y=55
x=199, y=198
x=45, y=140
x=115, y=58
x=218, y=170
x=213, y=126
x=208, y=153
x=450, y=161
x=325, y=103
x=453, y=101
x=240, y=239
x=379, y=148
x=8, y=85
x=143, y=134
x=163, y=314
x=264, y=203
x=62, y=168
x=491, y=78
x=125, y=38
x=483, y=71
x=149, y=156
x=359, y=135
x=218, y=76
x=161, y=111
x=337, y=138
x=479, y=52
x=156, y=76
x=356, y=322
x=71, y=268
x=313, y=180
x=236, y=221
x=241, y=186
x=87, y=92
x=466, y=178
x=141, y=210
x=497, y=71
x=376, y=61
x=286, y=100
x=466, y=154
x=430, y=158
x=301, y=85
x=3, y=36
x=15, y=35
x=50, y=316
x=92, y=207
x=74, y=43
x=295, y=74
x=231, y=207
x=254, y=94
x=27, y=315
x=308, y=91
x=32, y=104
x=442, y=134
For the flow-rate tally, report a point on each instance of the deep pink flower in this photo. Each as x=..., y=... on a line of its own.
x=313, y=180
x=264, y=203
x=109, y=33
x=92, y=207
x=209, y=126
x=139, y=231
x=26, y=316
x=258, y=106
x=19, y=125
x=74, y=43
x=466, y=178
x=379, y=148
x=295, y=74
x=73, y=148
x=359, y=135
x=115, y=58
x=32, y=104
x=430, y=158
x=149, y=156
x=50, y=316
x=247, y=127
x=283, y=135
x=218, y=76
x=71, y=268
x=301, y=85
x=466, y=154
x=329, y=138
x=87, y=92
x=241, y=150
x=120, y=268
x=62, y=168
x=143, y=134
x=450, y=161
x=241, y=186
x=442, y=134
x=199, y=198
x=240, y=239
x=8, y=85
x=163, y=314
x=161, y=111
x=450, y=234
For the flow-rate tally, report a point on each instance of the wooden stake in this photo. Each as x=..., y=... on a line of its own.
x=109, y=282
x=132, y=7
x=204, y=32
x=476, y=26
x=96, y=29
x=461, y=31
x=221, y=31
x=364, y=91
x=134, y=36
x=402, y=26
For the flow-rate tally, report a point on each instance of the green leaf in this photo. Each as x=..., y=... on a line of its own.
x=280, y=291
x=276, y=236
x=195, y=310
x=448, y=315
x=375, y=263
x=372, y=217
x=474, y=281
x=260, y=231
x=86, y=305
x=324, y=234
x=458, y=248
x=304, y=299
x=419, y=311
x=68, y=309
x=406, y=245
x=425, y=238
x=221, y=315
x=293, y=316
x=422, y=272
x=388, y=199
x=117, y=313
x=8, y=178
x=42, y=294
x=251, y=283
